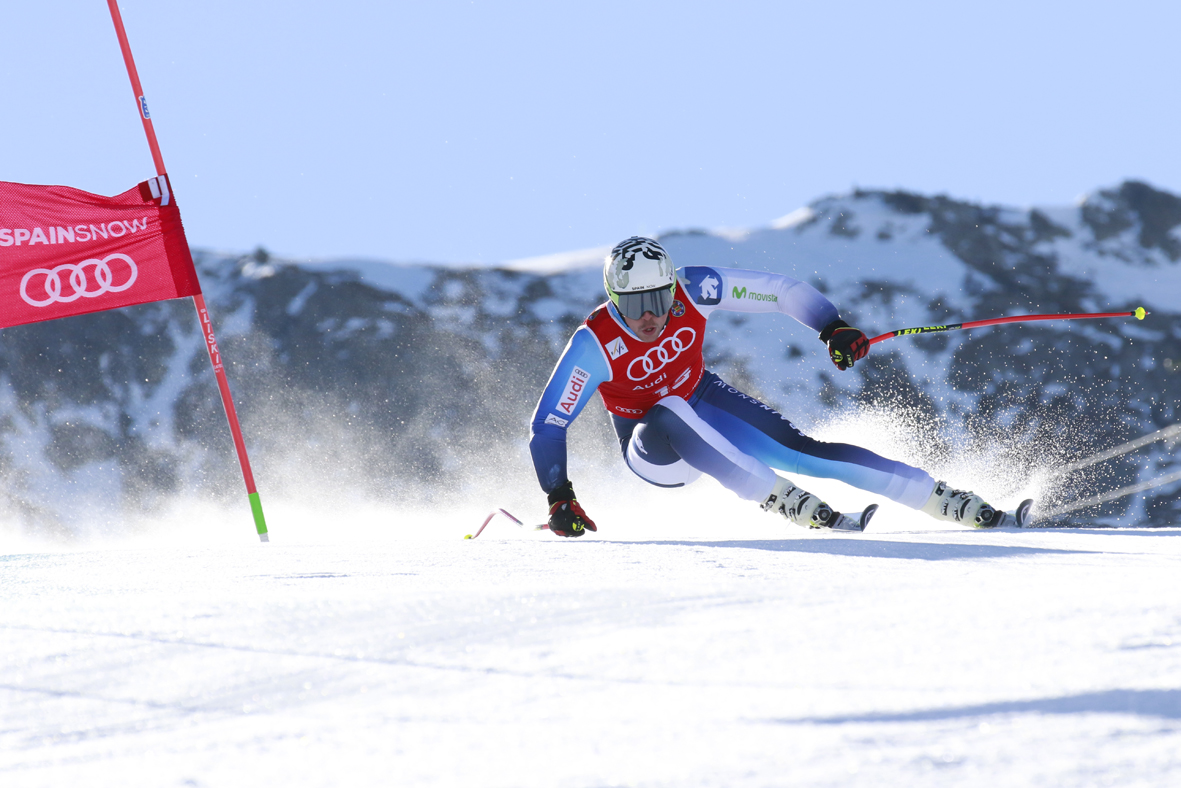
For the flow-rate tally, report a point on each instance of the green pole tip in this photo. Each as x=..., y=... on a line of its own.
x=260, y=523
x=1140, y=313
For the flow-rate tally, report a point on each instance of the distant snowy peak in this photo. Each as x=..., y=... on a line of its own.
x=1104, y=221
x=1126, y=241
x=1135, y=211
x=560, y=262
x=794, y=219
x=875, y=233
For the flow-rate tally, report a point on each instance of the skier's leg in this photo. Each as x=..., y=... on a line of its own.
x=761, y=432
x=768, y=436
x=672, y=446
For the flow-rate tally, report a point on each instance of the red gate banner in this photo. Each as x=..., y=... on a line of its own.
x=67, y=252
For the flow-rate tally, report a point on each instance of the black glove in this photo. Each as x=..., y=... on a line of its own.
x=566, y=517
x=845, y=343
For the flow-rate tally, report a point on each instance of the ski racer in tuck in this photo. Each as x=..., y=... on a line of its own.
x=642, y=351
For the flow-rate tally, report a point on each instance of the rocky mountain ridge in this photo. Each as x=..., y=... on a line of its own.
x=417, y=384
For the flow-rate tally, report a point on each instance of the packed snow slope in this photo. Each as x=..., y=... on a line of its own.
x=413, y=384
x=691, y=643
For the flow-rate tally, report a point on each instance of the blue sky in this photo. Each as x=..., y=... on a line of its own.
x=461, y=131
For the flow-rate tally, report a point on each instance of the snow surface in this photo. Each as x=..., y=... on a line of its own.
x=366, y=646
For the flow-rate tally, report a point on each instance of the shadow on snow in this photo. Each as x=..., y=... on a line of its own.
x=1165, y=704
x=866, y=548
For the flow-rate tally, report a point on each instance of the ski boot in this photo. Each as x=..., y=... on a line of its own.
x=799, y=506
x=961, y=506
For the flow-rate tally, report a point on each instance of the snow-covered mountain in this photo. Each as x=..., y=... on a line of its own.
x=415, y=382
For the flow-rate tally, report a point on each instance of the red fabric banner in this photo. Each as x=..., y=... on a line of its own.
x=67, y=252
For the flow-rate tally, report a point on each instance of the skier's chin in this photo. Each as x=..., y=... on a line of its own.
x=647, y=329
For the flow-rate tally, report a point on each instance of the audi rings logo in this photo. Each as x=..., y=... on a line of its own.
x=663, y=353
x=79, y=278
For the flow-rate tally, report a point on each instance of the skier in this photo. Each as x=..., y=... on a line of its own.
x=642, y=351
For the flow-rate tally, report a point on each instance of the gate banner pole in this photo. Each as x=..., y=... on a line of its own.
x=136, y=87
x=223, y=384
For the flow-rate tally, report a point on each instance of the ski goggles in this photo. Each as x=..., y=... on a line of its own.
x=634, y=305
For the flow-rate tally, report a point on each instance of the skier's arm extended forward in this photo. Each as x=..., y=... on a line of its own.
x=741, y=290
x=578, y=373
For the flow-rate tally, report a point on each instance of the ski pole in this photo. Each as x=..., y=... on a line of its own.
x=1137, y=313
x=495, y=512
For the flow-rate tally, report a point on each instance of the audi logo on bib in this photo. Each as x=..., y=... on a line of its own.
x=659, y=356
x=80, y=284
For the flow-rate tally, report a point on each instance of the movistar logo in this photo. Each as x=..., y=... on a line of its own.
x=740, y=293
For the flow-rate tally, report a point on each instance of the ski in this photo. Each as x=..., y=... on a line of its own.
x=1018, y=518
x=846, y=523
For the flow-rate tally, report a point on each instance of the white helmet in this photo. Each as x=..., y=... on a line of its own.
x=639, y=277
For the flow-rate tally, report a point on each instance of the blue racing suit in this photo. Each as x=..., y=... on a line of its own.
x=674, y=427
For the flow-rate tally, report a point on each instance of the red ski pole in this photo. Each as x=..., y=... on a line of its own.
x=223, y=383
x=1137, y=313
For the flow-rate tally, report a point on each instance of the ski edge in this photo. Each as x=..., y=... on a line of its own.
x=846, y=523
x=1018, y=518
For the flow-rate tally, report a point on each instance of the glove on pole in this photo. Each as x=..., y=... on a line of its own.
x=845, y=343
